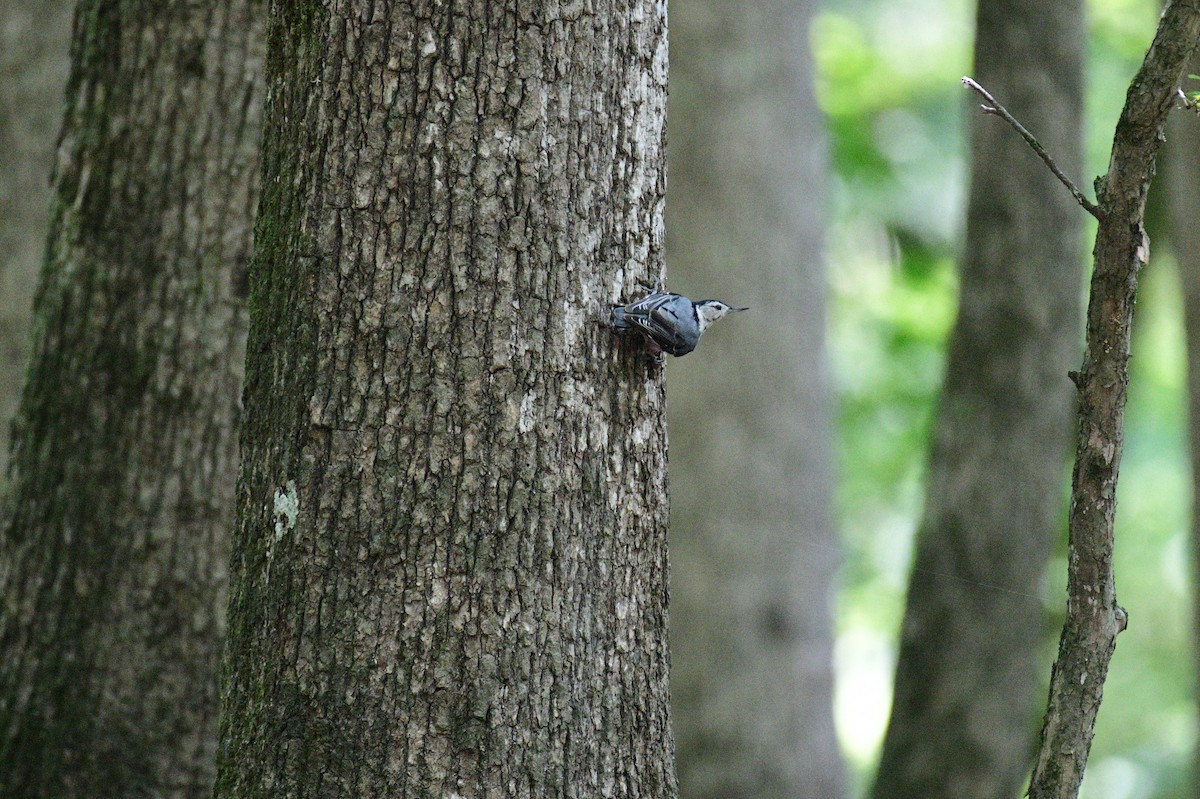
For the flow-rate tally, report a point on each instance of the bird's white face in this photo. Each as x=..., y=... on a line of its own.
x=712, y=310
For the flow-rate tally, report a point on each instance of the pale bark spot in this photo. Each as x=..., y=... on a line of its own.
x=287, y=507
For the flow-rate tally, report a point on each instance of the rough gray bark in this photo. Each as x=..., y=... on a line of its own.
x=753, y=545
x=113, y=546
x=1094, y=619
x=34, y=48
x=964, y=711
x=449, y=573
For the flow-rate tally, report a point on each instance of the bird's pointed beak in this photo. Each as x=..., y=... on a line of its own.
x=731, y=310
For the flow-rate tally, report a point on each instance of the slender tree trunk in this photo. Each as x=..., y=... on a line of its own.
x=964, y=718
x=34, y=44
x=1094, y=619
x=753, y=542
x=114, y=547
x=450, y=558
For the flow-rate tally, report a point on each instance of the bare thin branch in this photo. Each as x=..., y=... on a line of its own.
x=993, y=107
x=1188, y=103
x=1094, y=618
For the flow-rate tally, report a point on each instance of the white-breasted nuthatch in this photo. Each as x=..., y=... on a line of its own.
x=671, y=322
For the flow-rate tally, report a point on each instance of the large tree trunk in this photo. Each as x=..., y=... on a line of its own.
x=449, y=573
x=114, y=549
x=963, y=719
x=34, y=45
x=753, y=543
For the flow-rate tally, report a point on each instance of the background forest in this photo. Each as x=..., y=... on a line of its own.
x=899, y=150
x=895, y=117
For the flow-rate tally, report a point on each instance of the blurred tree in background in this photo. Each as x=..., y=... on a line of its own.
x=966, y=701
x=114, y=538
x=753, y=545
x=34, y=39
x=1180, y=199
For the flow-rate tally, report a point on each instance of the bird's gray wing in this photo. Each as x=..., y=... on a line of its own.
x=662, y=317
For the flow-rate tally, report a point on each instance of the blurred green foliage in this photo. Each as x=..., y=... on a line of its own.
x=888, y=81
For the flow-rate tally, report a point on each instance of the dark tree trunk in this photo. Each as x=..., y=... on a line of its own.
x=964, y=718
x=113, y=547
x=753, y=543
x=449, y=573
x=34, y=45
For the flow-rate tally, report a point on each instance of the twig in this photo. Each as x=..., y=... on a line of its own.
x=1188, y=103
x=993, y=107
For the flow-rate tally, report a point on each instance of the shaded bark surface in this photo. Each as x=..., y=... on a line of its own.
x=1094, y=619
x=34, y=49
x=114, y=543
x=753, y=544
x=963, y=720
x=449, y=573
